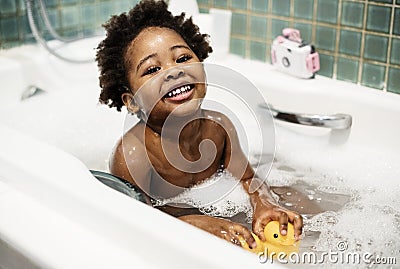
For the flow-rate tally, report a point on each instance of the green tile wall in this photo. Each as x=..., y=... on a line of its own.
x=358, y=40
x=70, y=18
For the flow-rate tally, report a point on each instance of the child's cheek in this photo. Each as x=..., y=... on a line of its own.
x=148, y=95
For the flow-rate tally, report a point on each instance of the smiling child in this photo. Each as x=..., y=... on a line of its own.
x=150, y=45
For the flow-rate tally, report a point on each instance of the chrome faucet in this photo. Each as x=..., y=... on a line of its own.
x=335, y=121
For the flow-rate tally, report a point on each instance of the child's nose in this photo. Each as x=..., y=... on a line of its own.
x=173, y=73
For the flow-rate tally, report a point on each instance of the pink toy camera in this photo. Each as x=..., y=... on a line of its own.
x=290, y=54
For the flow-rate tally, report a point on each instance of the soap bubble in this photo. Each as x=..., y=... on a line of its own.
x=235, y=198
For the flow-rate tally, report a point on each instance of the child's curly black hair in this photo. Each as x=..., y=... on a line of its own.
x=122, y=30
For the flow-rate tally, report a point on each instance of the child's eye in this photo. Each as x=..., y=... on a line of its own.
x=184, y=58
x=151, y=70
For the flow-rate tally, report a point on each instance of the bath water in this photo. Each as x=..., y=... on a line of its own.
x=338, y=215
x=361, y=219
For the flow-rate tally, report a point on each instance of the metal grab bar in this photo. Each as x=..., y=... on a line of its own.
x=335, y=121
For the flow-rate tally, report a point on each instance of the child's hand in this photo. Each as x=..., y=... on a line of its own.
x=264, y=212
x=225, y=229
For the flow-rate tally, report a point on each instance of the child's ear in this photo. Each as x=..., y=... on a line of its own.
x=129, y=102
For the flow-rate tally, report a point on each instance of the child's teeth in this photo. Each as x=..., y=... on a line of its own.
x=179, y=91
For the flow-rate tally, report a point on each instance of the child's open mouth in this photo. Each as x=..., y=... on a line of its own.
x=180, y=93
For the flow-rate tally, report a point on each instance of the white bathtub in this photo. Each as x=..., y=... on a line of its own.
x=55, y=214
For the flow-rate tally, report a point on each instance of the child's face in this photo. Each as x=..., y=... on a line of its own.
x=176, y=90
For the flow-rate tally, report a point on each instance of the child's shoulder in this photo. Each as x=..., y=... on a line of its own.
x=133, y=138
x=130, y=152
x=217, y=117
x=214, y=115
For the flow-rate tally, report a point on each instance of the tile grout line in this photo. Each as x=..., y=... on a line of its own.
x=230, y=30
x=269, y=31
x=337, y=41
x=60, y=14
x=363, y=30
x=248, y=30
x=389, y=51
x=19, y=23
x=292, y=21
x=314, y=22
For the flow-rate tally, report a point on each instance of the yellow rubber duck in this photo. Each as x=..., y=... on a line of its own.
x=275, y=242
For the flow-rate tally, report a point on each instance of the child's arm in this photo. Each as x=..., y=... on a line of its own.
x=265, y=208
x=223, y=228
x=129, y=161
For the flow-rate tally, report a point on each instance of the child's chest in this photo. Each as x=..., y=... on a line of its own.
x=185, y=163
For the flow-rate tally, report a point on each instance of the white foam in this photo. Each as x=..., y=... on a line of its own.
x=221, y=195
x=370, y=222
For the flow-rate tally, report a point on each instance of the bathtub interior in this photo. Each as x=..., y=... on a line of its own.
x=361, y=163
x=69, y=104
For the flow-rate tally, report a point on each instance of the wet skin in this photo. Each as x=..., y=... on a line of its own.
x=153, y=51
